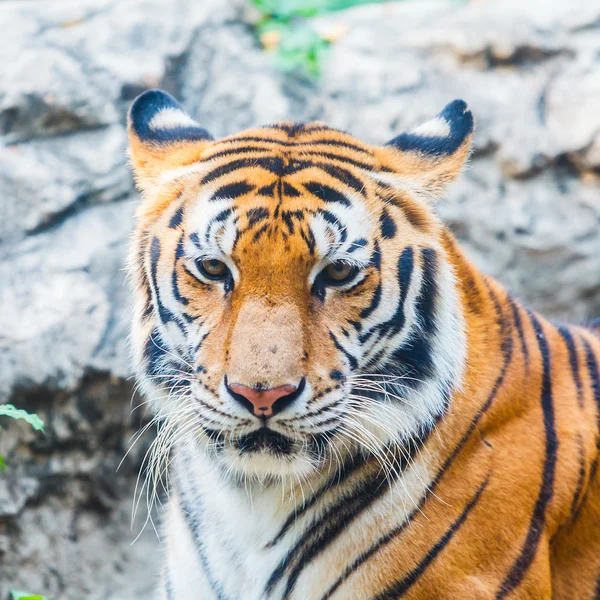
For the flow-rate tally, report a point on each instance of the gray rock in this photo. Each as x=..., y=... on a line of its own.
x=526, y=211
x=14, y=494
x=44, y=181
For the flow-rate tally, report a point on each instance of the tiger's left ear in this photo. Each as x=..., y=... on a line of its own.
x=434, y=153
x=162, y=137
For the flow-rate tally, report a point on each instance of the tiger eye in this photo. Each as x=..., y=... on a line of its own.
x=212, y=268
x=340, y=271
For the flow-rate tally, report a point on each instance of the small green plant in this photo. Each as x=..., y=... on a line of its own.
x=8, y=410
x=283, y=28
x=15, y=595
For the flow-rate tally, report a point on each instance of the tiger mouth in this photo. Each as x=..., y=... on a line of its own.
x=264, y=439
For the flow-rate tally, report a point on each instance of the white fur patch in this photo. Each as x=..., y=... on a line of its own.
x=171, y=118
x=437, y=127
x=238, y=522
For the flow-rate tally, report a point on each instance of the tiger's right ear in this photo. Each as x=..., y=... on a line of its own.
x=162, y=137
x=433, y=154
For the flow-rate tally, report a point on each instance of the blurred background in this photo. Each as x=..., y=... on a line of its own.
x=527, y=210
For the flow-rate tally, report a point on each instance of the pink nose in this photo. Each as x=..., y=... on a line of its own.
x=262, y=401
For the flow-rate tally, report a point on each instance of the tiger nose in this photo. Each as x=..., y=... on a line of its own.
x=265, y=403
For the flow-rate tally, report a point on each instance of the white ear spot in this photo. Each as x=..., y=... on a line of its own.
x=437, y=127
x=171, y=118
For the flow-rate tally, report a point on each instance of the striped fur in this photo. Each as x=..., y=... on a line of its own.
x=443, y=442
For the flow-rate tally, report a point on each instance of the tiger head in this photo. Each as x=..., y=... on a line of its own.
x=295, y=299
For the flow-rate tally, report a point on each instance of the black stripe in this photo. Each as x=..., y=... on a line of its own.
x=326, y=193
x=289, y=190
x=164, y=314
x=507, y=352
x=331, y=156
x=414, y=359
x=145, y=284
x=577, y=494
x=256, y=215
x=405, y=269
x=357, y=245
x=343, y=175
x=153, y=353
x=260, y=232
x=404, y=274
x=195, y=527
x=350, y=466
x=351, y=359
x=335, y=223
x=309, y=238
x=573, y=361
x=269, y=163
x=174, y=283
x=239, y=150
x=400, y=587
x=220, y=217
x=176, y=218
x=519, y=328
x=536, y=526
x=338, y=143
x=267, y=190
x=232, y=191
x=160, y=362
x=428, y=295
x=195, y=239
x=388, y=227
x=592, y=367
x=288, y=219
x=376, y=299
x=396, y=322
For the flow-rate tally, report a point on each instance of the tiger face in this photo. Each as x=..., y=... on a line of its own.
x=294, y=301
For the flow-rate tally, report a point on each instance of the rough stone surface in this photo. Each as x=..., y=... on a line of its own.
x=527, y=210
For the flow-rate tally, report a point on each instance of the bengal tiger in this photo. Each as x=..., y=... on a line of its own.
x=347, y=407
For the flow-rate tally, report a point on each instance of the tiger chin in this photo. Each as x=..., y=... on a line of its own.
x=347, y=408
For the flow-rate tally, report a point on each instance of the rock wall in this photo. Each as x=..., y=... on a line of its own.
x=527, y=211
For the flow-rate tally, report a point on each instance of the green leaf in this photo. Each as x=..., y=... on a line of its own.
x=305, y=8
x=2, y=464
x=8, y=410
x=15, y=595
x=301, y=49
x=291, y=8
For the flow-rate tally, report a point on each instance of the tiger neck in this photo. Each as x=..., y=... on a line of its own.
x=488, y=312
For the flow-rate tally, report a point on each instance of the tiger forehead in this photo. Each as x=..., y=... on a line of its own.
x=299, y=185
x=289, y=137
x=295, y=164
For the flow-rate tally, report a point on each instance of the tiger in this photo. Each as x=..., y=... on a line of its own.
x=346, y=407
